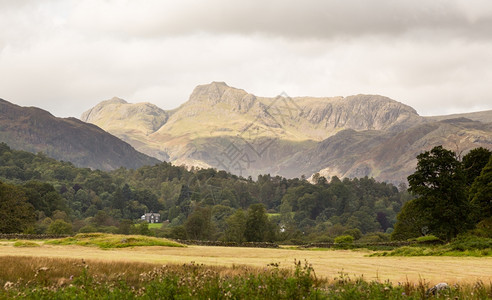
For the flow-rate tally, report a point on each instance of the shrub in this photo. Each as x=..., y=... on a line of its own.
x=344, y=239
x=484, y=228
x=87, y=229
x=60, y=227
x=377, y=237
x=323, y=239
x=356, y=233
x=470, y=242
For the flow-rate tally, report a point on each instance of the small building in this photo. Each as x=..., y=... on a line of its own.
x=152, y=217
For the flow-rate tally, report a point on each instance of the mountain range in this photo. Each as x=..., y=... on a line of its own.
x=230, y=129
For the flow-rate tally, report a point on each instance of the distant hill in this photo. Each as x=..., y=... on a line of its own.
x=69, y=139
x=228, y=128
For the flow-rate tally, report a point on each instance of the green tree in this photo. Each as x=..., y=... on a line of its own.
x=125, y=226
x=236, y=226
x=411, y=222
x=16, y=214
x=143, y=229
x=474, y=162
x=440, y=184
x=220, y=213
x=481, y=194
x=44, y=197
x=60, y=227
x=257, y=225
x=199, y=224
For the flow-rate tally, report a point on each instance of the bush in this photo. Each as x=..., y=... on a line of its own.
x=377, y=237
x=484, y=228
x=356, y=233
x=322, y=239
x=59, y=227
x=344, y=239
x=88, y=229
x=470, y=242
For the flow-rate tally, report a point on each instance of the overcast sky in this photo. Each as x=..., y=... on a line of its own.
x=66, y=56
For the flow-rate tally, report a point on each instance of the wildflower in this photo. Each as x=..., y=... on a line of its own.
x=8, y=285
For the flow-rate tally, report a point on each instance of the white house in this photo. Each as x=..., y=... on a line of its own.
x=152, y=217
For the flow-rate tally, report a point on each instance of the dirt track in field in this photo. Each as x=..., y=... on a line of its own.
x=326, y=263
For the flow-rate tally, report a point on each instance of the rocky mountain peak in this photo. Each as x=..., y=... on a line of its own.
x=216, y=92
x=115, y=100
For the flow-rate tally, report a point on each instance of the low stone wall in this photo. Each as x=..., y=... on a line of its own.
x=229, y=244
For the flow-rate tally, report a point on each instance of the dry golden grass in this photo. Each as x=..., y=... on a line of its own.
x=59, y=271
x=327, y=264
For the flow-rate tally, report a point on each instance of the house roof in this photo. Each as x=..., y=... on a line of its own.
x=154, y=214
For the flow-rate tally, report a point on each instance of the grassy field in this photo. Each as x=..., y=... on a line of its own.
x=327, y=264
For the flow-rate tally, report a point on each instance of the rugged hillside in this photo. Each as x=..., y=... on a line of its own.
x=390, y=156
x=133, y=123
x=231, y=129
x=35, y=130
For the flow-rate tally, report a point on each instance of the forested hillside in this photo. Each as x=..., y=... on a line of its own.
x=41, y=195
x=58, y=197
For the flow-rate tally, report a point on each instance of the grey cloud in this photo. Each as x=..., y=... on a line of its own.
x=308, y=19
x=67, y=55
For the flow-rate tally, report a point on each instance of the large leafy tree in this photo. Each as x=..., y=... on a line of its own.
x=439, y=183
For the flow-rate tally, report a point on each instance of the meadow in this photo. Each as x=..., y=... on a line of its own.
x=326, y=263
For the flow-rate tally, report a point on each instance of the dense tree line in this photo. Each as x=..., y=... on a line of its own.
x=197, y=203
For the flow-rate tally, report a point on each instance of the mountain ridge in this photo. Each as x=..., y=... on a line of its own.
x=216, y=116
